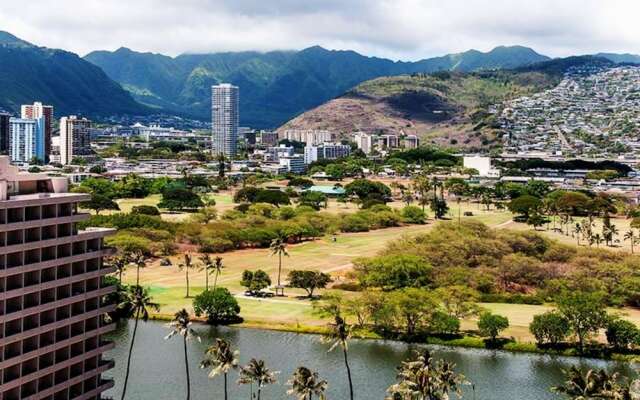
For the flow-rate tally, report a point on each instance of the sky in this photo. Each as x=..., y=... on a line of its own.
x=396, y=29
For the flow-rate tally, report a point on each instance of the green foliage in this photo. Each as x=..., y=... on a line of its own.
x=491, y=325
x=99, y=202
x=367, y=190
x=179, y=199
x=394, y=272
x=255, y=281
x=145, y=210
x=300, y=182
x=525, y=205
x=621, y=334
x=308, y=280
x=219, y=306
x=127, y=221
x=414, y=215
x=315, y=200
x=550, y=327
x=605, y=174
x=275, y=197
x=585, y=313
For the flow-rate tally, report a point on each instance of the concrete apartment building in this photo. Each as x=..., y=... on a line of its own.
x=38, y=110
x=225, y=119
x=4, y=132
x=75, y=138
x=26, y=139
x=52, y=314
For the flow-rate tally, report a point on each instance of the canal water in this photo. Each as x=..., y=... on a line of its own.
x=158, y=371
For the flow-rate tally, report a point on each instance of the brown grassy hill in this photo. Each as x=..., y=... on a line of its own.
x=443, y=108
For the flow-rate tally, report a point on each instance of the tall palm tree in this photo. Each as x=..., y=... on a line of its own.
x=221, y=359
x=305, y=384
x=218, y=267
x=591, y=385
x=120, y=263
x=137, y=302
x=578, y=231
x=279, y=247
x=207, y=267
x=338, y=335
x=222, y=159
x=181, y=325
x=257, y=372
x=140, y=261
x=426, y=379
x=630, y=235
x=186, y=265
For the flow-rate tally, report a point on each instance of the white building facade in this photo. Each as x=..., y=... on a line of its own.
x=225, y=119
x=75, y=138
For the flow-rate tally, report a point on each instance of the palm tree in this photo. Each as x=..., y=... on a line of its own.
x=597, y=239
x=305, y=384
x=207, y=267
x=120, y=263
x=186, y=266
x=279, y=247
x=137, y=302
x=222, y=159
x=578, y=231
x=256, y=372
x=425, y=379
x=181, y=325
x=140, y=261
x=218, y=267
x=221, y=359
x=591, y=385
x=338, y=335
x=630, y=235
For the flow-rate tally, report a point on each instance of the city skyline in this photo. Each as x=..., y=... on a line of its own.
x=406, y=29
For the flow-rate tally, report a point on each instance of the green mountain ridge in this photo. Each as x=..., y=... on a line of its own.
x=277, y=85
x=72, y=85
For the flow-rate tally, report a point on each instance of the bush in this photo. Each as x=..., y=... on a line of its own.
x=219, y=306
x=215, y=245
x=491, y=325
x=621, y=334
x=443, y=323
x=145, y=210
x=354, y=223
x=413, y=215
x=255, y=281
x=550, y=327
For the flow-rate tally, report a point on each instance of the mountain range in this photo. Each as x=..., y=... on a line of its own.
x=274, y=86
x=72, y=85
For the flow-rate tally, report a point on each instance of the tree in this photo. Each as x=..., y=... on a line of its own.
x=209, y=267
x=305, y=384
x=99, y=202
x=550, y=327
x=181, y=326
x=186, y=265
x=145, y=210
x=439, y=207
x=255, y=281
x=525, y=205
x=585, y=313
x=308, y=280
x=592, y=385
x=409, y=308
x=368, y=191
x=219, y=305
x=425, y=379
x=256, y=372
x=391, y=272
x=621, y=334
x=413, y=215
x=206, y=215
x=246, y=194
x=137, y=303
x=300, y=182
x=176, y=198
x=120, y=263
x=630, y=235
x=459, y=301
x=221, y=359
x=275, y=197
x=491, y=325
x=338, y=335
x=313, y=199
x=279, y=247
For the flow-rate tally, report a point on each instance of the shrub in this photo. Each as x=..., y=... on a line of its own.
x=621, y=334
x=443, y=323
x=354, y=223
x=145, y=210
x=550, y=327
x=219, y=306
x=255, y=281
x=215, y=245
x=413, y=215
x=491, y=325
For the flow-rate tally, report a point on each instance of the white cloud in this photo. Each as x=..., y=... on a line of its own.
x=400, y=29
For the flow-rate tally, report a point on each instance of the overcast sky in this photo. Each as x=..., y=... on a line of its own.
x=397, y=29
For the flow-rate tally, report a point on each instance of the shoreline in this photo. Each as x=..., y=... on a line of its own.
x=465, y=342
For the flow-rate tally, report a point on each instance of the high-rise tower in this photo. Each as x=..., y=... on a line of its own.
x=38, y=110
x=225, y=119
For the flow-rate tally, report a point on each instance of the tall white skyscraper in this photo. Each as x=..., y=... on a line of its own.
x=225, y=119
x=75, y=139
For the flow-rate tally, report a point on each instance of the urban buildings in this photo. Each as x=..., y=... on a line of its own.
x=328, y=151
x=364, y=142
x=75, y=138
x=38, y=110
x=225, y=119
x=293, y=163
x=410, y=142
x=267, y=138
x=310, y=137
x=4, y=132
x=26, y=139
x=52, y=322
